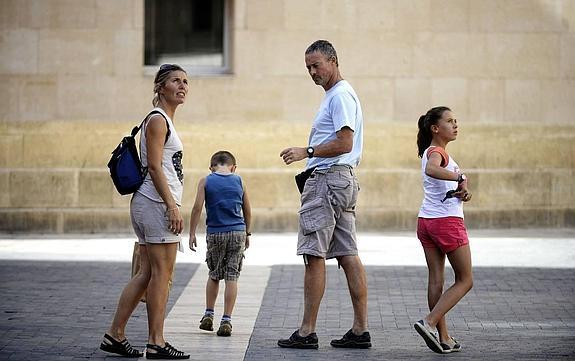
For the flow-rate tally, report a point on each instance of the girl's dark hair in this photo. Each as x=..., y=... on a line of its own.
x=222, y=157
x=160, y=80
x=425, y=122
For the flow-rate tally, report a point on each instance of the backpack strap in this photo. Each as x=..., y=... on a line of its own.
x=138, y=127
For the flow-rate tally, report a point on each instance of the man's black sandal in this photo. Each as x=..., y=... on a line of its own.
x=168, y=352
x=297, y=341
x=121, y=348
x=351, y=340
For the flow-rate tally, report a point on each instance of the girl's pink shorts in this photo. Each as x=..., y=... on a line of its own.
x=446, y=233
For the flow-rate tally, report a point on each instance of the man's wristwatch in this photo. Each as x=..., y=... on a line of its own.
x=461, y=178
x=310, y=151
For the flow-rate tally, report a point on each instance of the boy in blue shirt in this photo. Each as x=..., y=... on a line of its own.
x=228, y=216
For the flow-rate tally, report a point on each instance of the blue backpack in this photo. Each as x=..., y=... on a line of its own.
x=126, y=169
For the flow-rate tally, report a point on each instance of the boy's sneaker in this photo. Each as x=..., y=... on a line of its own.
x=207, y=323
x=351, y=340
x=297, y=341
x=225, y=328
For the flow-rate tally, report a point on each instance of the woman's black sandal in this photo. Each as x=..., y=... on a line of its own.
x=168, y=352
x=121, y=348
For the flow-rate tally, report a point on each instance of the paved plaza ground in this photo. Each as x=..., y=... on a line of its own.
x=58, y=295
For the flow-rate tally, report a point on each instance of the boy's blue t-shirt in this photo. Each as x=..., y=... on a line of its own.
x=224, y=200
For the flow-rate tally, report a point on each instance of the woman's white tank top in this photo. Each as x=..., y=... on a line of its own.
x=171, y=163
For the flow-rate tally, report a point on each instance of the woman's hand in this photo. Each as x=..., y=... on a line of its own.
x=175, y=221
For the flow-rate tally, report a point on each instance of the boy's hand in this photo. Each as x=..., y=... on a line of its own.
x=247, y=242
x=193, y=243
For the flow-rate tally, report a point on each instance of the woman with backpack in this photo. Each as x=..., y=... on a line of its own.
x=156, y=218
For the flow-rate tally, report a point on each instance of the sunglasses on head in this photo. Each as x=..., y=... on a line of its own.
x=168, y=67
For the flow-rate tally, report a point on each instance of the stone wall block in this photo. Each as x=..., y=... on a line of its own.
x=523, y=100
x=43, y=188
x=264, y=14
x=95, y=188
x=392, y=54
x=388, y=189
x=29, y=221
x=563, y=188
x=374, y=112
x=501, y=190
x=11, y=150
x=523, y=55
x=486, y=100
x=458, y=18
x=115, y=14
x=557, y=100
x=568, y=56
x=450, y=55
x=302, y=14
x=377, y=15
x=138, y=14
x=96, y=91
x=82, y=51
x=9, y=14
x=5, y=188
x=129, y=55
x=268, y=189
x=412, y=97
x=38, y=99
x=19, y=51
x=68, y=149
x=452, y=92
x=73, y=14
x=10, y=98
x=515, y=16
x=413, y=15
x=97, y=221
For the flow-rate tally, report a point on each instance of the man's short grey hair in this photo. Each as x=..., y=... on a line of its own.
x=324, y=47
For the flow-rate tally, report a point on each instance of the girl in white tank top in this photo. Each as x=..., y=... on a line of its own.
x=440, y=226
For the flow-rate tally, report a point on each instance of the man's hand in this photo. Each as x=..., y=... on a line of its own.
x=247, y=242
x=293, y=154
x=193, y=243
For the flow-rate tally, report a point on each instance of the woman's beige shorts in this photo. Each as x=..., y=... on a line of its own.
x=150, y=221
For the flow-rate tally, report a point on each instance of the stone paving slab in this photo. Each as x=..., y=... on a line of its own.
x=60, y=310
x=510, y=314
x=182, y=324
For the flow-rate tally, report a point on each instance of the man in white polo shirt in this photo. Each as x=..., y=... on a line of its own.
x=329, y=194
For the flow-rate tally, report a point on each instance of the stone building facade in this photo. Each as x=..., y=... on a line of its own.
x=74, y=82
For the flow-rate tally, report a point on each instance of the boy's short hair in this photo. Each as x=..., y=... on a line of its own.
x=222, y=157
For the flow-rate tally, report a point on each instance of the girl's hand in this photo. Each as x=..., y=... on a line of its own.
x=464, y=195
x=462, y=192
x=175, y=221
x=193, y=243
